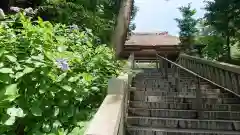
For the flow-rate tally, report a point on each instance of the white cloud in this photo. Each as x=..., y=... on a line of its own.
x=158, y=15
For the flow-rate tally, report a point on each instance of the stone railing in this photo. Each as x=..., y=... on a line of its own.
x=224, y=75
x=110, y=117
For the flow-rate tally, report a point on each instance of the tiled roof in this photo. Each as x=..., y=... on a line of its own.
x=147, y=38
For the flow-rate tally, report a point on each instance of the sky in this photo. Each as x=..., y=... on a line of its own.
x=158, y=15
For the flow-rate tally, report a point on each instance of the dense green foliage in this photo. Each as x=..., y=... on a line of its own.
x=50, y=76
x=187, y=25
x=219, y=30
x=214, y=42
x=224, y=16
x=98, y=15
x=132, y=25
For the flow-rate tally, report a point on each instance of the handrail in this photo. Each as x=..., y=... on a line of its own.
x=223, y=75
x=181, y=67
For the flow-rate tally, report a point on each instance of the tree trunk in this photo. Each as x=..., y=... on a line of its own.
x=11, y=3
x=4, y=5
x=228, y=49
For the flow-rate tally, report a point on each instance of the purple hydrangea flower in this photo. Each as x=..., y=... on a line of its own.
x=15, y=9
x=63, y=64
x=29, y=11
x=74, y=27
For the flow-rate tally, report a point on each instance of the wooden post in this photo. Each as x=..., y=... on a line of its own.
x=177, y=78
x=157, y=64
x=165, y=67
x=133, y=60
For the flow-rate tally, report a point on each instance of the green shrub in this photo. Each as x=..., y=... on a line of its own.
x=50, y=76
x=98, y=15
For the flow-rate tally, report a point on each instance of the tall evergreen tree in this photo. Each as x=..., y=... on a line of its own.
x=134, y=11
x=187, y=25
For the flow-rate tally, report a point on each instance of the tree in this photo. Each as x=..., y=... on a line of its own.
x=187, y=25
x=99, y=16
x=132, y=25
x=223, y=15
x=207, y=35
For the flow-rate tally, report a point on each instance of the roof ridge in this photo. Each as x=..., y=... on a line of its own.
x=151, y=33
x=150, y=38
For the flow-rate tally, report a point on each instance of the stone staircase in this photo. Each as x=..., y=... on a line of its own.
x=156, y=107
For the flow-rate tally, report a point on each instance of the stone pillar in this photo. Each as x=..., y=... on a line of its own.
x=160, y=63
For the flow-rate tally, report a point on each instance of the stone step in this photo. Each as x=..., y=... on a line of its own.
x=210, y=93
x=134, y=130
x=162, y=76
x=156, y=75
x=156, y=122
x=159, y=75
x=165, y=84
x=182, y=73
x=170, y=71
x=168, y=86
x=150, y=74
x=157, y=78
x=187, y=114
x=172, y=79
x=148, y=97
x=185, y=100
x=145, y=72
x=184, y=106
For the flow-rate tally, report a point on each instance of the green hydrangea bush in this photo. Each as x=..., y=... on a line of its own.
x=51, y=77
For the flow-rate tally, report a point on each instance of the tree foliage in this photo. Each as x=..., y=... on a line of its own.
x=132, y=25
x=187, y=25
x=50, y=76
x=207, y=35
x=224, y=17
x=98, y=15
